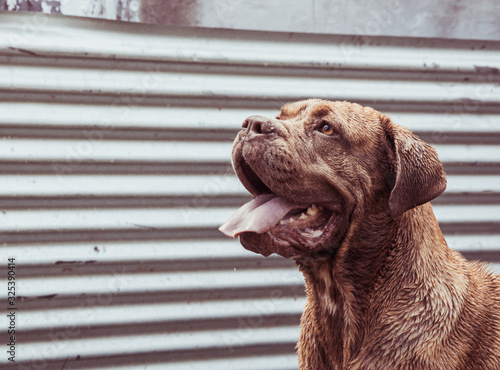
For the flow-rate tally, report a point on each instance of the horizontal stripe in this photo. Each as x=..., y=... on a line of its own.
x=136, y=327
x=95, y=316
x=43, y=237
x=140, y=343
x=461, y=138
x=113, y=218
x=113, y=282
x=120, y=218
x=207, y=135
x=133, y=134
x=99, y=235
x=68, y=151
x=474, y=243
x=120, y=116
x=72, y=267
x=91, y=267
x=468, y=153
x=191, y=201
x=463, y=183
x=177, y=251
x=86, y=202
x=69, y=301
x=202, y=188
x=140, y=85
x=71, y=167
x=457, y=120
x=21, y=220
x=449, y=198
x=206, y=101
x=459, y=213
x=285, y=362
x=254, y=103
x=99, y=119
x=131, y=251
x=470, y=228
x=240, y=357
x=472, y=168
x=487, y=257
x=153, y=71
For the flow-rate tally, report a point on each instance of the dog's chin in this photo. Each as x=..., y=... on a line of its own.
x=309, y=233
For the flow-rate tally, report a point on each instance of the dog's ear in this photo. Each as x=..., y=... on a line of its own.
x=416, y=173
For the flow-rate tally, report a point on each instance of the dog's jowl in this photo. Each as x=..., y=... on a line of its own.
x=345, y=192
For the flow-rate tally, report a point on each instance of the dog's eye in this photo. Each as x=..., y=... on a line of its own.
x=327, y=129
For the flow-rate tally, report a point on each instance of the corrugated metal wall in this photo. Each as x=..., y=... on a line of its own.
x=115, y=173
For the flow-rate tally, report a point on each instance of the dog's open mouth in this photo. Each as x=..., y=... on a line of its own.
x=303, y=226
x=270, y=211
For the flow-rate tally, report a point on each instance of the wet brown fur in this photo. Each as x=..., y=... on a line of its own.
x=390, y=294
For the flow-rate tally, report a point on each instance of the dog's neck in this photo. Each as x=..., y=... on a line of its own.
x=343, y=290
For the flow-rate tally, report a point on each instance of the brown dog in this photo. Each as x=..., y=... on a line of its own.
x=345, y=192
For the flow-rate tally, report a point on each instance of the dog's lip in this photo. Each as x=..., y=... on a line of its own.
x=247, y=176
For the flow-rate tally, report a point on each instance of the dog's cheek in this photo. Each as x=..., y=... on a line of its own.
x=280, y=161
x=269, y=160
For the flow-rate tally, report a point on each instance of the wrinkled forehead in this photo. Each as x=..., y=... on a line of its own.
x=354, y=121
x=305, y=109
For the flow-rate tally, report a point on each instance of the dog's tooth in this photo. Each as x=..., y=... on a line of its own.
x=302, y=216
x=291, y=219
x=282, y=222
x=312, y=210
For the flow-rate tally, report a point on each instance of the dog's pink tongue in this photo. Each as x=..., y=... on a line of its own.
x=258, y=215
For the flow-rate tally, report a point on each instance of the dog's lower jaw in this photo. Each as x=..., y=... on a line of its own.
x=295, y=244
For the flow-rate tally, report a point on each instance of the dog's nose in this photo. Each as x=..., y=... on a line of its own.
x=259, y=125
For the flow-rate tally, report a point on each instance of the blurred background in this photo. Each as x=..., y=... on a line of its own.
x=117, y=120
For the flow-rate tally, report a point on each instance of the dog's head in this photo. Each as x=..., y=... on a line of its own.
x=317, y=167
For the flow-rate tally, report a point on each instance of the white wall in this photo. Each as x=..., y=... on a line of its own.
x=476, y=19
x=425, y=18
